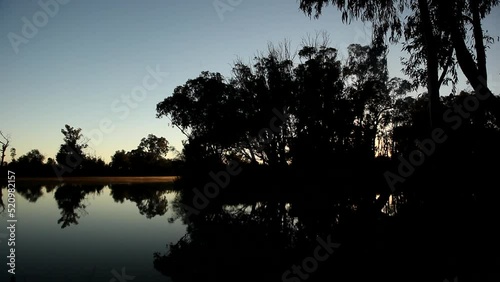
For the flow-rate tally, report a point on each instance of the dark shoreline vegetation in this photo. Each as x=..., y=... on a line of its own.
x=313, y=156
x=296, y=149
x=356, y=158
x=320, y=172
x=98, y=179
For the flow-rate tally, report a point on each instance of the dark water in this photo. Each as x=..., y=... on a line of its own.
x=144, y=232
x=87, y=232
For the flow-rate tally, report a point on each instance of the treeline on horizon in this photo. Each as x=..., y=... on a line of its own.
x=306, y=113
x=148, y=159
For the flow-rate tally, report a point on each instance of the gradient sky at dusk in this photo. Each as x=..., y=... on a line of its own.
x=79, y=66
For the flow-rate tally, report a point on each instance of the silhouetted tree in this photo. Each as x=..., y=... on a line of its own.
x=4, y=142
x=30, y=164
x=149, y=158
x=265, y=91
x=204, y=109
x=323, y=119
x=13, y=154
x=33, y=157
x=157, y=147
x=51, y=161
x=94, y=166
x=332, y=110
x=432, y=30
x=71, y=151
x=373, y=94
x=120, y=162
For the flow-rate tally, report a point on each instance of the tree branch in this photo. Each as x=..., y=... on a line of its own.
x=446, y=66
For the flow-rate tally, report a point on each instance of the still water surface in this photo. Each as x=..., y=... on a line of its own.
x=84, y=232
x=93, y=232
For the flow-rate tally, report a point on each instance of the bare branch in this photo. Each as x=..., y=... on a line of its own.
x=6, y=139
x=5, y=144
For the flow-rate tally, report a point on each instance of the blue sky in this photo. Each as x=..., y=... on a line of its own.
x=82, y=63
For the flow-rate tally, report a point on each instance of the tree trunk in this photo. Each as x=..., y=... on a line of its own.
x=480, y=51
x=474, y=75
x=4, y=148
x=479, y=40
x=432, y=64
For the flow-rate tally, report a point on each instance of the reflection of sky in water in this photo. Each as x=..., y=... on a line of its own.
x=109, y=236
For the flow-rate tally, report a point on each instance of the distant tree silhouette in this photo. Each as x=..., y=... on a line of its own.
x=120, y=162
x=4, y=142
x=157, y=147
x=33, y=157
x=51, y=162
x=71, y=151
x=13, y=154
x=94, y=166
x=149, y=158
x=31, y=164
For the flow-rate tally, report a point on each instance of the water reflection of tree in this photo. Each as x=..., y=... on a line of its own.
x=150, y=198
x=30, y=191
x=258, y=238
x=69, y=199
x=250, y=241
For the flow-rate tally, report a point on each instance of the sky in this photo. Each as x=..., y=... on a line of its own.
x=104, y=65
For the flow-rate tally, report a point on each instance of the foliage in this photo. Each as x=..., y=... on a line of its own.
x=149, y=158
x=439, y=35
x=329, y=111
x=71, y=151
